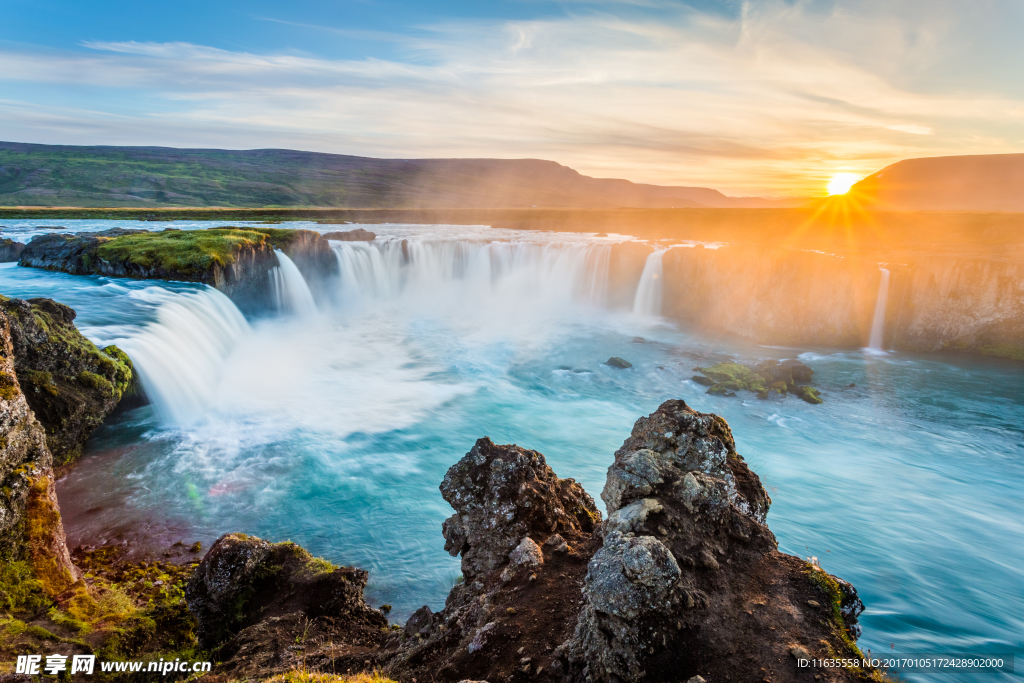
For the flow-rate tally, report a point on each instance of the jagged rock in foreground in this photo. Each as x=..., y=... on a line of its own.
x=263, y=605
x=682, y=580
x=689, y=581
x=30, y=527
x=70, y=384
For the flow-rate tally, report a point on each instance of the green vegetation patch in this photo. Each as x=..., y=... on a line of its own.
x=735, y=377
x=189, y=252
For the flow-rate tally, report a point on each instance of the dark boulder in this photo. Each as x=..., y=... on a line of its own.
x=704, y=381
x=616, y=362
x=251, y=594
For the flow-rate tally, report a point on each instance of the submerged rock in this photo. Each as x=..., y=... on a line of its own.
x=70, y=384
x=616, y=362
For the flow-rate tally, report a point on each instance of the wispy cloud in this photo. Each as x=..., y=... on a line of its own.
x=773, y=100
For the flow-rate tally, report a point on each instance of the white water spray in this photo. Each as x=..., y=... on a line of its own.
x=180, y=356
x=649, y=290
x=474, y=277
x=878, y=322
x=290, y=289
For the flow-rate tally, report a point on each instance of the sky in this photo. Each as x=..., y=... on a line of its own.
x=767, y=97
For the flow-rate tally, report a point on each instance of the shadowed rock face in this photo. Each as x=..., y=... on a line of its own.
x=69, y=383
x=257, y=600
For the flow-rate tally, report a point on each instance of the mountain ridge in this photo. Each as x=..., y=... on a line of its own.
x=111, y=176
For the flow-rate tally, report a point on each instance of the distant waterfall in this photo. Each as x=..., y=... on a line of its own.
x=179, y=357
x=290, y=289
x=481, y=276
x=649, y=289
x=878, y=322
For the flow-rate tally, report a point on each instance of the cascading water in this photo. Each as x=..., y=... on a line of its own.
x=649, y=290
x=474, y=277
x=878, y=322
x=291, y=292
x=180, y=356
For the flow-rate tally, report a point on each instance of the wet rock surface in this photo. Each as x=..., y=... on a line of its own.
x=767, y=378
x=69, y=383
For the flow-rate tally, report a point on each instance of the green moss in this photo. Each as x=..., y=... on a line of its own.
x=94, y=381
x=190, y=252
x=809, y=394
x=68, y=621
x=42, y=527
x=20, y=590
x=9, y=388
x=42, y=633
x=735, y=377
x=779, y=386
x=40, y=380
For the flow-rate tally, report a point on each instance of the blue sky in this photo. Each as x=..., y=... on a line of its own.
x=765, y=97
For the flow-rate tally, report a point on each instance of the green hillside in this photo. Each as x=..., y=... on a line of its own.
x=52, y=175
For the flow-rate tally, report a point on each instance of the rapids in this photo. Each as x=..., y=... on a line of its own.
x=335, y=426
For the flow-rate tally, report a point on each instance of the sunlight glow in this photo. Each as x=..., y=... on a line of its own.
x=842, y=182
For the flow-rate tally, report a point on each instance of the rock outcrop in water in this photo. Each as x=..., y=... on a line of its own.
x=10, y=250
x=237, y=261
x=767, y=377
x=70, y=384
x=355, y=235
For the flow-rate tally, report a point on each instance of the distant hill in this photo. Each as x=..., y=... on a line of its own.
x=991, y=182
x=57, y=175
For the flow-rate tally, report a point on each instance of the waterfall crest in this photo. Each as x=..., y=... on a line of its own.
x=881, y=302
x=291, y=292
x=649, y=290
x=474, y=275
x=180, y=356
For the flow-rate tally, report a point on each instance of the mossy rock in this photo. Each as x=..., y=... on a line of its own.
x=809, y=394
x=735, y=377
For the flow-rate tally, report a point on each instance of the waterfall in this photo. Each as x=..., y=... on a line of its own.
x=290, y=289
x=878, y=322
x=473, y=276
x=649, y=289
x=179, y=357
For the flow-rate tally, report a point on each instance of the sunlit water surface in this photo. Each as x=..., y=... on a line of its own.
x=334, y=428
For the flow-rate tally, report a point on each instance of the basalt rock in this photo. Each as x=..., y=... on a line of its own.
x=30, y=526
x=256, y=601
x=69, y=383
x=525, y=536
x=689, y=581
x=357, y=235
x=10, y=250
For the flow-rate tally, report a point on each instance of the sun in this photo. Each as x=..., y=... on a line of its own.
x=842, y=182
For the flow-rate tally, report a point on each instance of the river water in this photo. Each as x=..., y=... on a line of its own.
x=332, y=423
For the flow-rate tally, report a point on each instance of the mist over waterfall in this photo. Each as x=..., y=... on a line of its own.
x=649, y=289
x=291, y=292
x=474, y=277
x=180, y=356
x=878, y=321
